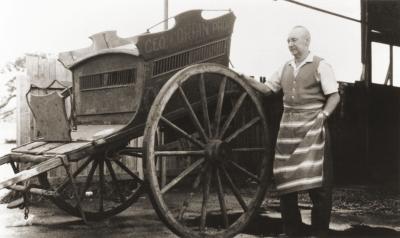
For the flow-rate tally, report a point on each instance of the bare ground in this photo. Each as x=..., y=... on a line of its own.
x=357, y=212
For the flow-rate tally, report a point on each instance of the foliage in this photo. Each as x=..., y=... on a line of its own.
x=8, y=78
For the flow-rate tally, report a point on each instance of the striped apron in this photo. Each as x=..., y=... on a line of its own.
x=299, y=152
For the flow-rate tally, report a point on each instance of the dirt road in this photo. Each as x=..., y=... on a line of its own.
x=348, y=220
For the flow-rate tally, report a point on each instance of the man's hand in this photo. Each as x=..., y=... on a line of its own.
x=262, y=88
x=245, y=76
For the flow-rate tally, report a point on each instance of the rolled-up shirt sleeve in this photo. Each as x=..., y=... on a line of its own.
x=274, y=82
x=327, y=77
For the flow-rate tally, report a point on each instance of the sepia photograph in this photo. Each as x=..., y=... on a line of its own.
x=200, y=119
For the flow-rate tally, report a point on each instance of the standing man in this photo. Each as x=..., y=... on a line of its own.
x=302, y=161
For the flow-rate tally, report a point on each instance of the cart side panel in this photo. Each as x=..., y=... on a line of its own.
x=192, y=40
x=108, y=88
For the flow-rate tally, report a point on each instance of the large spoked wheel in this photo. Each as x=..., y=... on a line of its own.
x=216, y=180
x=105, y=182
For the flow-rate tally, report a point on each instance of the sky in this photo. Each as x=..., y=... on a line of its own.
x=258, y=43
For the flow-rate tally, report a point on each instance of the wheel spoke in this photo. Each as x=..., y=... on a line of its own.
x=184, y=207
x=195, y=186
x=242, y=129
x=78, y=171
x=221, y=198
x=182, y=175
x=128, y=171
x=192, y=114
x=218, y=109
x=197, y=180
x=131, y=153
x=235, y=190
x=204, y=105
x=115, y=180
x=206, y=194
x=232, y=114
x=245, y=171
x=254, y=149
x=101, y=181
x=182, y=132
x=89, y=178
x=178, y=152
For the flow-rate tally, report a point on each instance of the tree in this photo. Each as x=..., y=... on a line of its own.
x=8, y=76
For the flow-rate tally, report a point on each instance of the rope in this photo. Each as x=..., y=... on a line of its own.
x=324, y=11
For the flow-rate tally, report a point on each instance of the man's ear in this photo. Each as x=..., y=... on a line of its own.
x=308, y=40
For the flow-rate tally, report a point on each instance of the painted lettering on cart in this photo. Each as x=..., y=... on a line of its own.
x=190, y=30
x=190, y=33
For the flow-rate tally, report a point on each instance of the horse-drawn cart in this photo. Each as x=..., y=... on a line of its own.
x=174, y=91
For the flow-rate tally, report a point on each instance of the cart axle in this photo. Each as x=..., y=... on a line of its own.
x=217, y=151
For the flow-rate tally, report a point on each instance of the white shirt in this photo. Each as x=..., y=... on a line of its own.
x=324, y=75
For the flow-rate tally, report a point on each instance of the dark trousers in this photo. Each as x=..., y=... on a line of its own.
x=320, y=214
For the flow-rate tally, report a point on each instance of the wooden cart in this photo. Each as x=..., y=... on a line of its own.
x=173, y=90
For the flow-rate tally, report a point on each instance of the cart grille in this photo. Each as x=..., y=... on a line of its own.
x=107, y=80
x=188, y=57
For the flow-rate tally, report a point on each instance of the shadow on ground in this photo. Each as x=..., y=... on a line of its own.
x=262, y=225
x=266, y=226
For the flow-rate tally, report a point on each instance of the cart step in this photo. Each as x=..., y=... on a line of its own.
x=16, y=203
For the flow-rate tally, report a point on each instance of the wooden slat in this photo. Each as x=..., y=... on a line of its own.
x=46, y=147
x=18, y=157
x=5, y=159
x=93, y=132
x=28, y=147
x=37, y=191
x=23, y=121
x=68, y=148
x=52, y=69
x=27, y=174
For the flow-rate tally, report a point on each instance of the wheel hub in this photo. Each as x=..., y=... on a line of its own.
x=217, y=151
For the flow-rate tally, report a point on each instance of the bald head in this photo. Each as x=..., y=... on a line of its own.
x=302, y=31
x=299, y=41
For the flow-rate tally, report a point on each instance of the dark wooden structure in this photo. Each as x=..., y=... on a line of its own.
x=367, y=125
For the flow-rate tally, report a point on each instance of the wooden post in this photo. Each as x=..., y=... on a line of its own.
x=165, y=14
x=163, y=161
x=366, y=60
x=23, y=112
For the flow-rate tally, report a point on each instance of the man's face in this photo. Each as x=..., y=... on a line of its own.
x=298, y=42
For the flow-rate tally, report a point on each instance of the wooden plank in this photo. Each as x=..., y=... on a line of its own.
x=60, y=72
x=28, y=147
x=37, y=191
x=52, y=69
x=32, y=63
x=93, y=132
x=18, y=157
x=27, y=174
x=67, y=75
x=42, y=79
x=46, y=147
x=4, y=159
x=23, y=112
x=68, y=148
x=139, y=165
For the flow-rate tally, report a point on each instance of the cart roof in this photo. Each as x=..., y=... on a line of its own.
x=190, y=29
